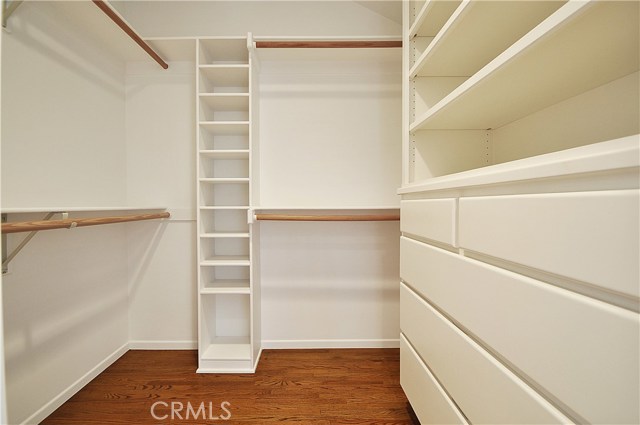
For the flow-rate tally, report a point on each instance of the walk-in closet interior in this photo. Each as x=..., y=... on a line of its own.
x=456, y=181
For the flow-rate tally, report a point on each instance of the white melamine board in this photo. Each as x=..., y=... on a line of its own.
x=434, y=219
x=612, y=155
x=440, y=152
x=428, y=91
x=94, y=25
x=428, y=399
x=587, y=236
x=580, y=351
x=330, y=128
x=484, y=389
x=130, y=210
x=464, y=45
x=544, y=67
x=226, y=349
x=226, y=260
x=226, y=154
x=607, y=112
x=432, y=17
x=329, y=284
x=225, y=127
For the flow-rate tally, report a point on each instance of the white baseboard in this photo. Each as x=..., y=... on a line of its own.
x=65, y=395
x=163, y=345
x=331, y=343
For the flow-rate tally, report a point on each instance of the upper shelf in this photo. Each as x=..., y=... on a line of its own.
x=432, y=17
x=26, y=210
x=466, y=31
x=609, y=156
x=544, y=67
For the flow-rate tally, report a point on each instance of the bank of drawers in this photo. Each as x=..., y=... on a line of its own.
x=553, y=350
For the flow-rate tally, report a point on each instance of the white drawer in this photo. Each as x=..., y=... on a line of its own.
x=581, y=351
x=430, y=218
x=485, y=390
x=590, y=236
x=428, y=399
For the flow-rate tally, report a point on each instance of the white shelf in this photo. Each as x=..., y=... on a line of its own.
x=229, y=287
x=226, y=127
x=226, y=260
x=24, y=210
x=220, y=180
x=226, y=154
x=224, y=207
x=327, y=209
x=618, y=154
x=225, y=235
x=432, y=17
x=228, y=348
x=226, y=101
x=544, y=67
x=464, y=45
x=227, y=75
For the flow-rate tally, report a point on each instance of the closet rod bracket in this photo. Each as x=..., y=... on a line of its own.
x=6, y=259
x=8, y=7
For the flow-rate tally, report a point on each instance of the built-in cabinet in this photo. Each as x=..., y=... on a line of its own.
x=520, y=211
x=228, y=328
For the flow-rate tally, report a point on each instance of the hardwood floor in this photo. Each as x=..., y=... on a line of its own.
x=321, y=387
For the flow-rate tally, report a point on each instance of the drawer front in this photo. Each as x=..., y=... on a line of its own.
x=581, y=351
x=428, y=399
x=484, y=389
x=430, y=218
x=591, y=236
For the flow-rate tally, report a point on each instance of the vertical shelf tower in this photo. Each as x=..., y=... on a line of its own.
x=228, y=303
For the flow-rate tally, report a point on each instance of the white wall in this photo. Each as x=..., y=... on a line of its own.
x=330, y=136
x=271, y=18
x=63, y=144
x=161, y=171
x=63, y=114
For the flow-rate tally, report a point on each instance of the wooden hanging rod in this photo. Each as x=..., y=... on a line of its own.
x=354, y=217
x=29, y=226
x=115, y=17
x=327, y=44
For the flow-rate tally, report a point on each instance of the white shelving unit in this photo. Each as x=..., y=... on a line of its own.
x=471, y=89
x=521, y=165
x=228, y=321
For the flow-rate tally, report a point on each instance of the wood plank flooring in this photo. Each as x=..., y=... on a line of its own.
x=320, y=387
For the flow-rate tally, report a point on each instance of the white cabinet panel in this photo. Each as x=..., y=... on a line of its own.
x=428, y=399
x=588, y=236
x=582, y=351
x=431, y=218
x=484, y=389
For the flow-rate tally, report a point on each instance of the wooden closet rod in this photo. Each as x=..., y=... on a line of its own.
x=115, y=17
x=355, y=217
x=327, y=44
x=29, y=226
